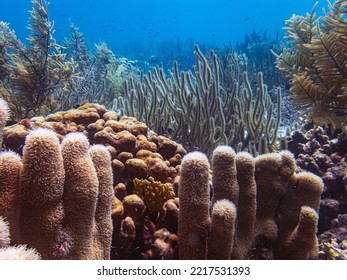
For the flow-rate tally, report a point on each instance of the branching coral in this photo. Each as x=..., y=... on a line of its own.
x=315, y=64
x=35, y=79
x=205, y=107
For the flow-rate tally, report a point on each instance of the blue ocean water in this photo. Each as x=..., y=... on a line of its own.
x=127, y=23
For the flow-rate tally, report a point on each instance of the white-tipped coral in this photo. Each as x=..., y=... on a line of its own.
x=194, y=222
x=42, y=191
x=223, y=230
x=81, y=184
x=103, y=220
x=20, y=252
x=4, y=233
x=224, y=180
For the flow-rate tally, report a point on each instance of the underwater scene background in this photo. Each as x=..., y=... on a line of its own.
x=173, y=130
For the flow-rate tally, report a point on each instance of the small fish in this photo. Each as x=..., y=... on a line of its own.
x=26, y=123
x=246, y=19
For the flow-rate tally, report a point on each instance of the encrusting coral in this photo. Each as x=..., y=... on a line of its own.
x=324, y=154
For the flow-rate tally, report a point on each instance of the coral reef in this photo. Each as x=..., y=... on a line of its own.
x=157, y=155
x=262, y=217
x=94, y=183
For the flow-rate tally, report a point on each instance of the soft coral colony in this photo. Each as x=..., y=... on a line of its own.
x=91, y=183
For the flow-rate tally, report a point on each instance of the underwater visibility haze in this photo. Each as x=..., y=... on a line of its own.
x=119, y=22
x=173, y=129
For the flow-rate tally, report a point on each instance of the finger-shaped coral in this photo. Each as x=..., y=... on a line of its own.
x=41, y=192
x=10, y=177
x=305, y=192
x=193, y=220
x=81, y=183
x=303, y=240
x=103, y=220
x=273, y=173
x=224, y=180
x=169, y=217
x=247, y=206
x=297, y=206
x=222, y=230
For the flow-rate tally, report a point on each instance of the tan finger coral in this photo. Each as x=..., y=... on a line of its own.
x=194, y=222
x=42, y=192
x=222, y=230
x=10, y=177
x=81, y=182
x=103, y=220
